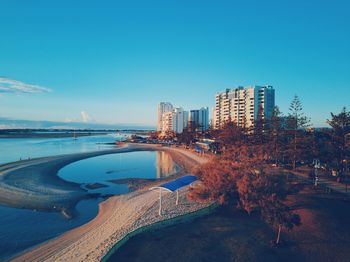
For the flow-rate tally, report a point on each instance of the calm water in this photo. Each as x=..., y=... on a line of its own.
x=102, y=169
x=13, y=149
x=21, y=229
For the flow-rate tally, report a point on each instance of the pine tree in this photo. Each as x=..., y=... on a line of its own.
x=265, y=193
x=340, y=124
x=258, y=130
x=276, y=135
x=297, y=122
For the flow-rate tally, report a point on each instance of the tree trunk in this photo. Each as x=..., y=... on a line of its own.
x=295, y=145
x=279, y=234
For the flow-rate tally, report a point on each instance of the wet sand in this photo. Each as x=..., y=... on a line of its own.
x=34, y=183
x=117, y=215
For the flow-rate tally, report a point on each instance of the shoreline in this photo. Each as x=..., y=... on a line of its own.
x=117, y=216
x=35, y=184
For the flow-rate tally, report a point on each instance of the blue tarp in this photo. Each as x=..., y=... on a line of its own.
x=178, y=183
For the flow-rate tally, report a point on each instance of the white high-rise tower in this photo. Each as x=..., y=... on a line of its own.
x=163, y=107
x=241, y=105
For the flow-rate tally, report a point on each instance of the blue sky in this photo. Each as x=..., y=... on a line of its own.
x=115, y=60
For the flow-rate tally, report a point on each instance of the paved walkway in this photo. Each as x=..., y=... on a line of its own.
x=323, y=182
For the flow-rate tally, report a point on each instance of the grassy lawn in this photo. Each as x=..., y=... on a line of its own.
x=231, y=235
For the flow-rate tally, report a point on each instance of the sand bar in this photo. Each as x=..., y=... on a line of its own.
x=34, y=183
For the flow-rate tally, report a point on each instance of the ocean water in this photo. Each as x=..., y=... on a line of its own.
x=14, y=149
x=21, y=229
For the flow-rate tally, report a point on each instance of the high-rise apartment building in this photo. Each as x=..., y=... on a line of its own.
x=241, y=105
x=163, y=107
x=198, y=120
x=176, y=119
x=167, y=122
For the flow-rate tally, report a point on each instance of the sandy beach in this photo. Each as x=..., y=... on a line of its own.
x=117, y=215
x=34, y=183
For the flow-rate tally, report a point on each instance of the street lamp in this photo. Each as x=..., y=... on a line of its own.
x=317, y=165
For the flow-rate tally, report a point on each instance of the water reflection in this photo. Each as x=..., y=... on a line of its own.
x=165, y=165
x=109, y=174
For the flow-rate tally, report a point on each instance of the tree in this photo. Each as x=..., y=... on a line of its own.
x=219, y=176
x=186, y=137
x=340, y=124
x=276, y=135
x=265, y=194
x=154, y=135
x=238, y=178
x=297, y=122
x=168, y=135
x=258, y=130
x=230, y=135
x=278, y=214
x=218, y=182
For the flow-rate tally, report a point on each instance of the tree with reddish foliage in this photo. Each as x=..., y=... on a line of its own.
x=217, y=182
x=154, y=135
x=265, y=193
x=278, y=214
x=340, y=132
x=276, y=133
x=257, y=132
x=238, y=178
x=187, y=137
x=167, y=135
x=230, y=136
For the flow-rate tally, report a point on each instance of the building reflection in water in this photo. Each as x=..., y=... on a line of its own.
x=165, y=164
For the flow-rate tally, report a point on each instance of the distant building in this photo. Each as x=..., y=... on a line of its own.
x=198, y=120
x=186, y=113
x=241, y=105
x=167, y=122
x=163, y=107
x=178, y=120
x=173, y=121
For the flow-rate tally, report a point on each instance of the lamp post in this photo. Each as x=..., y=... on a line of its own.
x=346, y=175
x=317, y=165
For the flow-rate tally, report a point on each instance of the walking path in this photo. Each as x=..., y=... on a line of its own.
x=332, y=185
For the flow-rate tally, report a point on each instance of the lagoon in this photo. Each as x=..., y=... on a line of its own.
x=21, y=228
x=104, y=169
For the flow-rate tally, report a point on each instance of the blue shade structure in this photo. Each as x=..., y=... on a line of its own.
x=178, y=183
x=173, y=186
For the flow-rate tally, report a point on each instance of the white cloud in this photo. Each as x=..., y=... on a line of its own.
x=14, y=86
x=86, y=117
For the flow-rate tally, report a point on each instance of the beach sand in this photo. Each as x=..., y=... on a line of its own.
x=118, y=216
x=34, y=184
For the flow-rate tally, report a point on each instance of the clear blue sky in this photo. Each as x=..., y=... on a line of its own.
x=116, y=60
